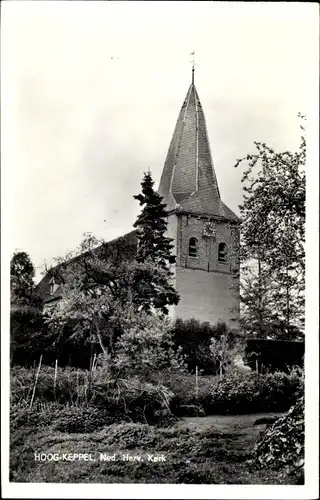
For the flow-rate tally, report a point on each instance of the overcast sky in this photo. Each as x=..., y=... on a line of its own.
x=91, y=92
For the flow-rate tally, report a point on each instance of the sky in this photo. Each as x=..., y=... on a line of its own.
x=91, y=92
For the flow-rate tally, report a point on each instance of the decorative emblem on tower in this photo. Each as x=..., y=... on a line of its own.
x=209, y=230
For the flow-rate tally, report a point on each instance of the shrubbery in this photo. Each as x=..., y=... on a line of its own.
x=64, y=418
x=123, y=398
x=234, y=392
x=237, y=392
x=281, y=447
x=79, y=419
x=183, y=387
x=194, y=338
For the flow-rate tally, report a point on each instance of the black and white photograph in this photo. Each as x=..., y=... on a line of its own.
x=159, y=249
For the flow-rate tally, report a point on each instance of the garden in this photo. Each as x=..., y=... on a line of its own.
x=220, y=435
x=105, y=373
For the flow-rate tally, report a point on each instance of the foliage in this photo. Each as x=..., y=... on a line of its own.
x=224, y=353
x=154, y=246
x=146, y=346
x=272, y=237
x=64, y=418
x=238, y=392
x=75, y=419
x=194, y=337
x=98, y=292
x=22, y=287
x=186, y=397
x=28, y=335
x=271, y=355
x=71, y=385
x=206, y=453
x=282, y=445
x=26, y=322
x=121, y=398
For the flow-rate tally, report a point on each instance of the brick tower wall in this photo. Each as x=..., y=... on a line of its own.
x=208, y=289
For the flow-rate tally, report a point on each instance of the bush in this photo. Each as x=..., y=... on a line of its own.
x=21, y=416
x=146, y=346
x=28, y=336
x=79, y=420
x=281, y=447
x=182, y=386
x=64, y=418
x=274, y=355
x=194, y=337
x=71, y=385
x=122, y=398
x=140, y=401
x=237, y=392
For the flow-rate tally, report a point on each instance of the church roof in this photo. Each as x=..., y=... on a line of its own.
x=123, y=247
x=188, y=182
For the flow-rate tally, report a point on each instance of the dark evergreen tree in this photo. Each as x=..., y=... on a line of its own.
x=154, y=246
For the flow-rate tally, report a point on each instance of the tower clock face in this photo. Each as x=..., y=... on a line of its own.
x=209, y=230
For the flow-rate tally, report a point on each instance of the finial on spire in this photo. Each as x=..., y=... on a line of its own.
x=193, y=65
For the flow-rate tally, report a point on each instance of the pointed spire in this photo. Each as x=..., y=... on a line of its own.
x=188, y=180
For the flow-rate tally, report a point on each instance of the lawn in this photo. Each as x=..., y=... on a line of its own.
x=196, y=450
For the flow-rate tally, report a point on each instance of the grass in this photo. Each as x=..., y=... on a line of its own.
x=198, y=450
x=84, y=412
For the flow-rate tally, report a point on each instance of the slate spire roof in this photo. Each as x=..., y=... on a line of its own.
x=188, y=182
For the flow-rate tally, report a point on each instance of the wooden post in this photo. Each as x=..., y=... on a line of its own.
x=257, y=366
x=35, y=382
x=94, y=362
x=197, y=387
x=55, y=379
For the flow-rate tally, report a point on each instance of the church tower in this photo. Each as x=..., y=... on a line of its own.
x=204, y=230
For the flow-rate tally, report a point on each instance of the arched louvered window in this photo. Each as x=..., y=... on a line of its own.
x=222, y=252
x=193, y=247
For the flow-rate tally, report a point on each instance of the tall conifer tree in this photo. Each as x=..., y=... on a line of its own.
x=153, y=245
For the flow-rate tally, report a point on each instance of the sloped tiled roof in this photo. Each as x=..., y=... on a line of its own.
x=188, y=180
x=125, y=246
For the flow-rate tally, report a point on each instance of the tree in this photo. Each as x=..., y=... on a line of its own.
x=224, y=353
x=154, y=246
x=193, y=338
x=146, y=346
x=272, y=236
x=22, y=287
x=26, y=321
x=99, y=288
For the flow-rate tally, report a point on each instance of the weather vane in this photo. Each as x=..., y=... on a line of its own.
x=193, y=64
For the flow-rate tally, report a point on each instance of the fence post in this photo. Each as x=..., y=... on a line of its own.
x=35, y=383
x=257, y=366
x=197, y=387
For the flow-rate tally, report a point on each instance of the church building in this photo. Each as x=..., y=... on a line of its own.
x=205, y=232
